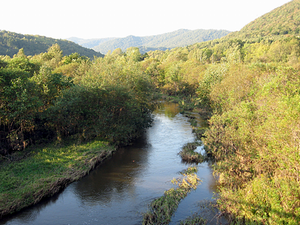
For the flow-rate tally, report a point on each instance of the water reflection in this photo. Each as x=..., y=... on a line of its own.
x=168, y=109
x=115, y=177
x=119, y=191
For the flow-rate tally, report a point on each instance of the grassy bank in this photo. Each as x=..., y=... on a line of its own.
x=39, y=172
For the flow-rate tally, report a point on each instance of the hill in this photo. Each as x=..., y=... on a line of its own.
x=89, y=43
x=284, y=20
x=179, y=38
x=11, y=42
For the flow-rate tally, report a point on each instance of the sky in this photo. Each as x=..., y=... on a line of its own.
x=120, y=18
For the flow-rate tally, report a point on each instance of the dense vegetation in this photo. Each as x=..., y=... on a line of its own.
x=11, y=42
x=49, y=96
x=252, y=90
x=179, y=38
x=248, y=88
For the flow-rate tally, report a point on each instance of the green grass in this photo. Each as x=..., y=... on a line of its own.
x=162, y=209
x=40, y=172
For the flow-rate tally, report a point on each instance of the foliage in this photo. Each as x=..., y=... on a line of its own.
x=255, y=148
x=22, y=62
x=110, y=97
x=112, y=113
x=213, y=75
x=18, y=108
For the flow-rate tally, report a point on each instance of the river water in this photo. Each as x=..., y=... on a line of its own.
x=120, y=190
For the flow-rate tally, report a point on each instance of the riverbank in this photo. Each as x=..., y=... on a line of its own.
x=41, y=171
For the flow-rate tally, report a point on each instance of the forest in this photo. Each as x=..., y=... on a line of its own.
x=248, y=89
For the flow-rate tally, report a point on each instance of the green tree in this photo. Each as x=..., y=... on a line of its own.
x=133, y=54
x=23, y=63
x=53, y=56
x=74, y=57
x=19, y=105
x=50, y=85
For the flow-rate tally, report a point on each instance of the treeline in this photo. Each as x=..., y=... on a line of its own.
x=50, y=97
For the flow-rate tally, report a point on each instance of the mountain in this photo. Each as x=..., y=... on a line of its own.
x=89, y=43
x=179, y=38
x=284, y=20
x=11, y=42
x=183, y=37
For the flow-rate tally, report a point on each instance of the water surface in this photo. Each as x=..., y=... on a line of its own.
x=120, y=190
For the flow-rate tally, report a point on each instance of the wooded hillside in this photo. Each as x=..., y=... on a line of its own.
x=11, y=43
x=179, y=38
x=281, y=21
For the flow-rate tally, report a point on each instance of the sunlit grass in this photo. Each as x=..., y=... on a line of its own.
x=45, y=171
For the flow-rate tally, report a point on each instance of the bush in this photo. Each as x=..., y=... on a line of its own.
x=256, y=142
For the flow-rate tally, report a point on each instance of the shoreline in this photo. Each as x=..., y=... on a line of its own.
x=51, y=169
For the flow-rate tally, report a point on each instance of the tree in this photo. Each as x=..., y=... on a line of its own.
x=20, y=61
x=117, y=51
x=53, y=56
x=133, y=54
x=19, y=104
x=74, y=57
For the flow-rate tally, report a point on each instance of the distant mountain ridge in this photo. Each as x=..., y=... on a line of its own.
x=11, y=42
x=179, y=38
x=89, y=43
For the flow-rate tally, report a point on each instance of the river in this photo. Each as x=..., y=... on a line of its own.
x=120, y=190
